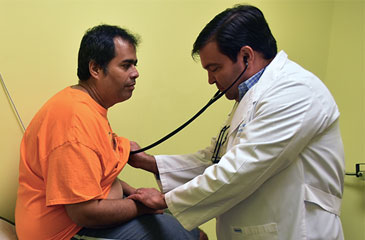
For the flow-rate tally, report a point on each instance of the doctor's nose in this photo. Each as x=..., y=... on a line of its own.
x=211, y=78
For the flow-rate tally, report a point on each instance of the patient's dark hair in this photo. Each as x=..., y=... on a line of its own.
x=98, y=45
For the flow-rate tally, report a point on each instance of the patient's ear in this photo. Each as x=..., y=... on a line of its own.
x=94, y=69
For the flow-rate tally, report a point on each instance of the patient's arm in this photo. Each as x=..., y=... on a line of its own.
x=108, y=212
x=127, y=190
x=119, y=188
x=116, y=190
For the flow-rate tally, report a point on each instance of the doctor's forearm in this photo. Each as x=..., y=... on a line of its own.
x=149, y=163
x=152, y=165
x=143, y=161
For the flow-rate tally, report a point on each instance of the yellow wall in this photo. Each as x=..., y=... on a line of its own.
x=345, y=76
x=39, y=40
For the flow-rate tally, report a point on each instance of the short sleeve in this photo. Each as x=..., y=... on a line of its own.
x=74, y=175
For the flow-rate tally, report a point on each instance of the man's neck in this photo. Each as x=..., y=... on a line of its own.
x=88, y=88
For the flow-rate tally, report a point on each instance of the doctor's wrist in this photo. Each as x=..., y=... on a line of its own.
x=150, y=164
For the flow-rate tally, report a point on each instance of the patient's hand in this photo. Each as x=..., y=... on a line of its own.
x=150, y=197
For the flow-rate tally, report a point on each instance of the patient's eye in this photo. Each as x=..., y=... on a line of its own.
x=128, y=64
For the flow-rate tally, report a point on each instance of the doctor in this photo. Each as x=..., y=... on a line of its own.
x=276, y=169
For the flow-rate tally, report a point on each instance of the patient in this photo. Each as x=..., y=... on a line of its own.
x=71, y=159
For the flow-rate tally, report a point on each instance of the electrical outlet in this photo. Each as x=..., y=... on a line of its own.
x=360, y=171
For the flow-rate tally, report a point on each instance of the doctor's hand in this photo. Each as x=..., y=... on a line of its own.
x=150, y=197
x=142, y=160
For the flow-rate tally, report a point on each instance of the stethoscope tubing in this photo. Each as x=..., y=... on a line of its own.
x=216, y=96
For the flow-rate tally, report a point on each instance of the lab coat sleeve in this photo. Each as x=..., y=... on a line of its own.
x=285, y=118
x=175, y=170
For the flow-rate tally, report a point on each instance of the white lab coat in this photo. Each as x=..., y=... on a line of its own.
x=281, y=176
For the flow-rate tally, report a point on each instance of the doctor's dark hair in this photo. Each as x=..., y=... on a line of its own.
x=98, y=45
x=242, y=25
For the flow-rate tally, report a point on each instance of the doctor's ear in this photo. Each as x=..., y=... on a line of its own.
x=247, y=53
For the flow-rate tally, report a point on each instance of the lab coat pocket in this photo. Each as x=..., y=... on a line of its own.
x=259, y=232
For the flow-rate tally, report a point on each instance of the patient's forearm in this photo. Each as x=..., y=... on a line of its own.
x=99, y=213
x=106, y=212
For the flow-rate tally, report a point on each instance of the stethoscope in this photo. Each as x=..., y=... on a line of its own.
x=216, y=96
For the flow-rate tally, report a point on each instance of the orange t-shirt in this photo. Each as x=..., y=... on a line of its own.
x=69, y=154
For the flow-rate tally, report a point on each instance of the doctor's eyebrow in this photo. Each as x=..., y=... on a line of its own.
x=210, y=65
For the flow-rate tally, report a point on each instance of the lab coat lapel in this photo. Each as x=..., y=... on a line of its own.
x=241, y=113
x=245, y=106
